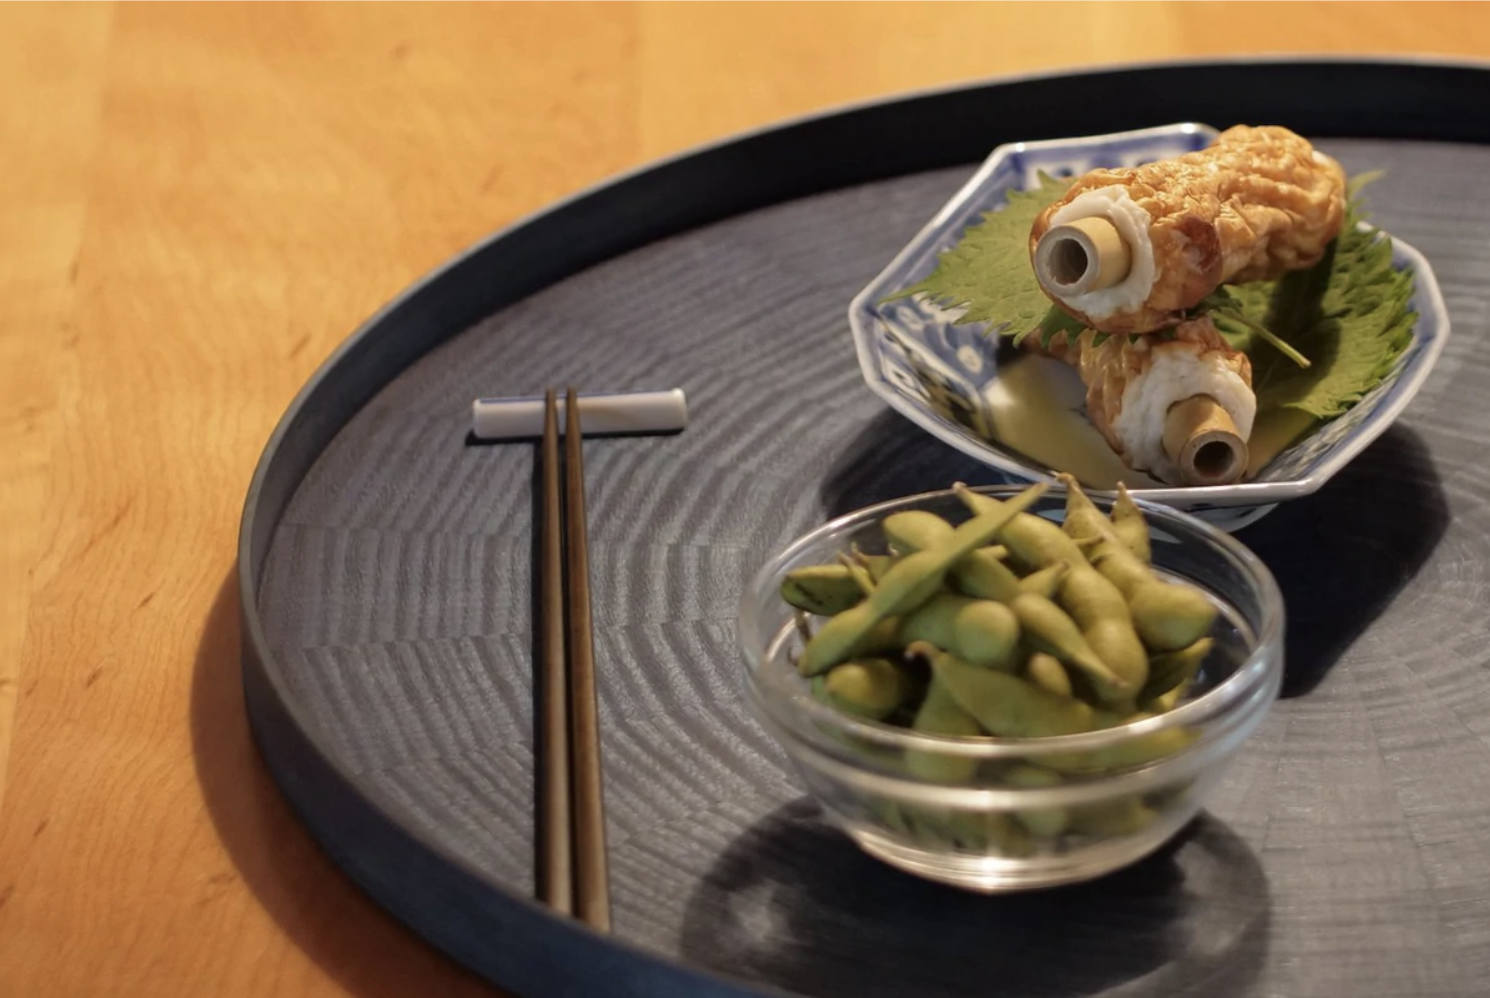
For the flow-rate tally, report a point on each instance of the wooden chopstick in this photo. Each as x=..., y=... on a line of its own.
x=591, y=881
x=555, y=846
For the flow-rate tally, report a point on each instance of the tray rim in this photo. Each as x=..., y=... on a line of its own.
x=320, y=789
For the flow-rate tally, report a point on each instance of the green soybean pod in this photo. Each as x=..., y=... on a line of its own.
x=1046, y=822
x=910, y=582
x=821, y=589
x=1170, y=616
x=1129, y=525
x=979, y=573
x=1046, y=627
x=888, y=813
x=838, y=638
x=1165, y=702
x=871, y=687
x=1139, y=750
x=858, y=573
x=933, y=620
x=986, y=832
x=1032, y=539
x=1083, y=519
x=1122, y=816
x=1047, y=672
x=1117, y=645
x=914, y=530
x=1044, y=581
x=1102, y=614
x=875, y=564
x=1089, y=596
x=985, y=633
x=882, y=638
x=1121, y=567
x=915, y=578
x=941, y=714
x=1170, y=670
x=1004, y=704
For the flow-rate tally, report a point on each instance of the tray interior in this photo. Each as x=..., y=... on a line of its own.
x=396, y=599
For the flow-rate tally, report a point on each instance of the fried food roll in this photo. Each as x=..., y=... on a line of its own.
x=1129, y=250
x=1180, y=407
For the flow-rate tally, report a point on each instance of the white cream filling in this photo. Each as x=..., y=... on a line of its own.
x=1132, y=223
x=1177, y=371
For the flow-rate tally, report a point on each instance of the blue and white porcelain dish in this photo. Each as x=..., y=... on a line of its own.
x=939, y=373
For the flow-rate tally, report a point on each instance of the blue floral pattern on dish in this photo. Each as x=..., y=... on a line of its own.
x=936, y=371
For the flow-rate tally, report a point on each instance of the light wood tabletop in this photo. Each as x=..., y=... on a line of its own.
x=200, y=203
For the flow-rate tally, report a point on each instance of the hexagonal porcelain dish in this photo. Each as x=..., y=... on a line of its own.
x=955, y=382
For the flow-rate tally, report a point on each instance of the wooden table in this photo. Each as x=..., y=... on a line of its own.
x=199, y=204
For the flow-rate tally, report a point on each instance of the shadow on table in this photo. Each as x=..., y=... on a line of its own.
x=894, y=457
x=345, y=933
x=1340, y=555
x=794, y=904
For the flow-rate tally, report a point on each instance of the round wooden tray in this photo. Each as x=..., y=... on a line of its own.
x=385, y=567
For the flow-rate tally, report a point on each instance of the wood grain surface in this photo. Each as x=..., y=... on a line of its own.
x=200, y=203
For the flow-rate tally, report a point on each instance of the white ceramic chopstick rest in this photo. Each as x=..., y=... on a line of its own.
x=616, y=412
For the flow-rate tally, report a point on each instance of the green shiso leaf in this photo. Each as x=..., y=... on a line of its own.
x=987, y=273
x=1348, y=313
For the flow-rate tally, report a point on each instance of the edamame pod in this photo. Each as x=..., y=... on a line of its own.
x=1047, y=628
x=858, y=573
x=984, y=633
x=1083, y=519
x=932, y=621
x=882, y=638
x=1138, y=750
x=1117, y=645
x=1032, y=539
x=1046, y=672
x=1121, y=567
x=1004, y=704
x=871, y=687
x=982, y=575
x=1129, y=525
x=1044, y=581
x=986, y=832
x=913, y=579
x=909, y=583
x=1047, y=822
x=1102, y=614
x=821, y=589
x=1088, y=596
x=1172, y=669
x=875, y=564
x=1170, y=616
x=914, y=530
x=1166, y=615
x=838, y=638
x=941, y=714
x=1123, y=816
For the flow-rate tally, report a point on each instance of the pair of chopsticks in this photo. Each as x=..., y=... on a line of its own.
x=572, y=876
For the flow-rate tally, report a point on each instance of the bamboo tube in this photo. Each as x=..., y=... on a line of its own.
x=1202, y=440
x=1084, y=255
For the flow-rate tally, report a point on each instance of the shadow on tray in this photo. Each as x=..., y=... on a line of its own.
x=1340, y=555
x=894, y=457
x=333, y=923
x=794, y=904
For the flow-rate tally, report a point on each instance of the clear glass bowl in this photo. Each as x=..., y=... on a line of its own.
x=1123, y=791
